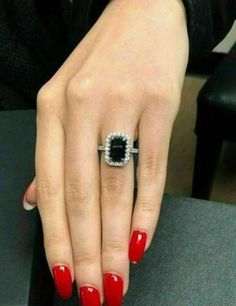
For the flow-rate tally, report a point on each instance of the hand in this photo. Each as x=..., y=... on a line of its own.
x=125, y=75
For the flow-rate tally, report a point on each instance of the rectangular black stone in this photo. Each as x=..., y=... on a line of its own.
x=117, y=149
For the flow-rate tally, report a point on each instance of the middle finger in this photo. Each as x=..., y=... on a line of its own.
x=82, y=202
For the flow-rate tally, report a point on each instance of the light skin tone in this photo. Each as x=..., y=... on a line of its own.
x=125, y=75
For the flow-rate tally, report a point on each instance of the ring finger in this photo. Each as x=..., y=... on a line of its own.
x=117, y=184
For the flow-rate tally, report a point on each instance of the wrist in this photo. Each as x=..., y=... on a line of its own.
x=171, y=10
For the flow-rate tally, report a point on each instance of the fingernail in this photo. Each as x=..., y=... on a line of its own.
x=137, y=246
x=62, y=280
x=113, y=289
x=25, y=202
x=89, y=296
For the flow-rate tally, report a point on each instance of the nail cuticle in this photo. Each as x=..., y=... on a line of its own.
x=62, y=279
x=113, y=289
x=89, y=295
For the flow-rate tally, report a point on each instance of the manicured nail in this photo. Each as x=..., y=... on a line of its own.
x=89, y=296
x=25, y=202
x=63, y=281
x=137, y=246
x=113, y=289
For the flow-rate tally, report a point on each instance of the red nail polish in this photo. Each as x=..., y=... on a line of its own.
x=113, y=289
x=63, y=282
x=137, y=246
x=89, y=296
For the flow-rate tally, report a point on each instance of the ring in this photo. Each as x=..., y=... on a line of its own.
x=117, y=149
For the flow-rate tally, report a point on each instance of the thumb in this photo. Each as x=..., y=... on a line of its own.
x=29, y=201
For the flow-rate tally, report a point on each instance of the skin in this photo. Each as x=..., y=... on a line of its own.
x=125, y=75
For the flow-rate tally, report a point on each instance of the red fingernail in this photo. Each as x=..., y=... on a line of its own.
x=113, y=289
x=137, y=246
x=63, y=282
x=89, y=296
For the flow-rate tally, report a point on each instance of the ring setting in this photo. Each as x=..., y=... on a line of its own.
x=118, y=148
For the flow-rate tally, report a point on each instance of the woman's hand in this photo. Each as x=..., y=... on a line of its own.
x=125, y=75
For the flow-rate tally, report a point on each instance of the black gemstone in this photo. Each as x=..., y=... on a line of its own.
x=117, y=149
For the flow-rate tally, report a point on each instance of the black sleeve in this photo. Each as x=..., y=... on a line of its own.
x=33, y=45
x=208, y=22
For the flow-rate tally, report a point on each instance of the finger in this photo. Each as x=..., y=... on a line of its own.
x=82, y=184
x=49, y=161
x=117, y=184
x=154, y=136
x=29, y=197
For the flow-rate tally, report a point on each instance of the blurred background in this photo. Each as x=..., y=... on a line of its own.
x=183, y=143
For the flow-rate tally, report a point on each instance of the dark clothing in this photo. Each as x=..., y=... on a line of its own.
x=34, y=42
x=36, y=36
x=208, y=22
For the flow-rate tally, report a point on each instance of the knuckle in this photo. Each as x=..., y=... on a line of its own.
x=53, y=242
x=146, y=206
x=46, y=190
x=46, y=99
x=85, y=258
x=79, y=89
x=158, y=92
x=112, y=186
x=123, y=91
x=114, y=247
x=77, y=198
x=150, y=167
x=165, y=94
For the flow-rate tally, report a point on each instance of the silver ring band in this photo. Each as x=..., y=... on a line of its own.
x=103, y=148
